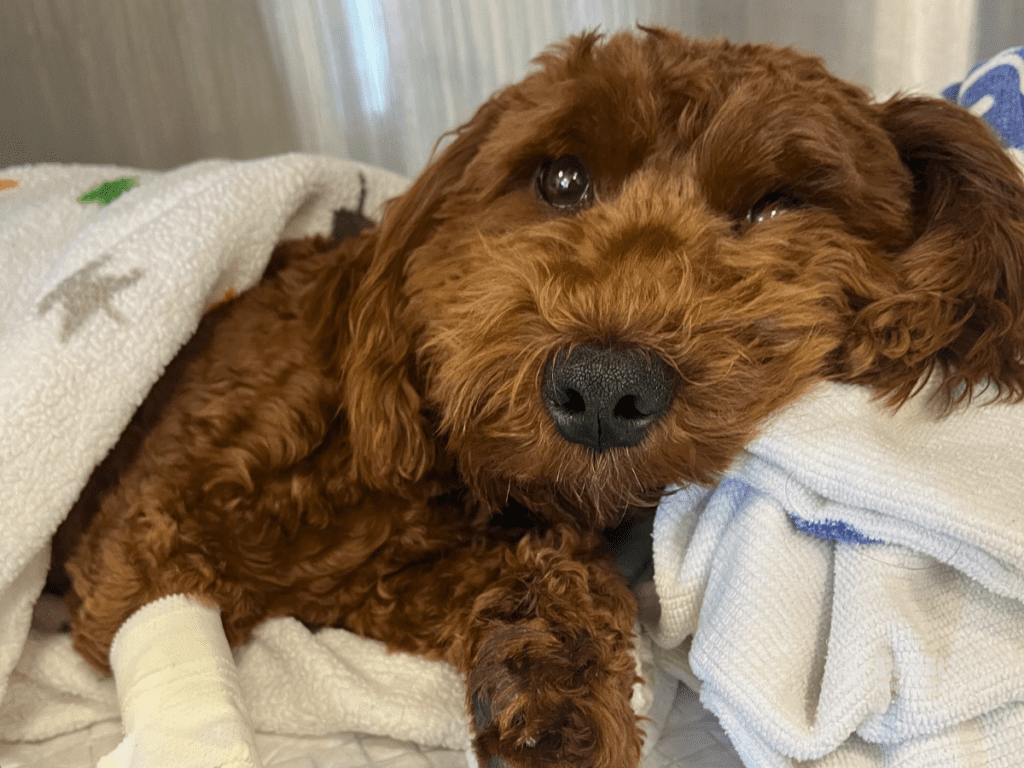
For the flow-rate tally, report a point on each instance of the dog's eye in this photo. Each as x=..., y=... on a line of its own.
x=768, y=207
x=564, y=182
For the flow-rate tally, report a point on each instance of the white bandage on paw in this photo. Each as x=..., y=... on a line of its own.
x=178, y=687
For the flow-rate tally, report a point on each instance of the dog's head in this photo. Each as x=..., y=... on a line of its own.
x=621, y=265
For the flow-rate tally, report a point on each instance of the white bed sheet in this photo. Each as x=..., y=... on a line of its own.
x=692, y=738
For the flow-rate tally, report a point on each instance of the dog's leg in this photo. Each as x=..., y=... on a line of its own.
x=543, y=630
x=548, y=647
x=178, y=689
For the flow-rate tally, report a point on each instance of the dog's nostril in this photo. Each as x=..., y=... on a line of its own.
x=573, y=402
x=626, y=408
x=604, y=398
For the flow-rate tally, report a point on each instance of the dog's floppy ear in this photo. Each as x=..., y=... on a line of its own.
x=959, y=305
x=390, y=438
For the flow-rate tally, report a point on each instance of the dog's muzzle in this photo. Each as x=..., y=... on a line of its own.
x=606, y=398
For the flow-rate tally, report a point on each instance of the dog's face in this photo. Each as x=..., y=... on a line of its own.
x=621, y=265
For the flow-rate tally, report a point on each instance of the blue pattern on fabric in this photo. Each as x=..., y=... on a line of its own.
x=832, y=530
x=992, y=91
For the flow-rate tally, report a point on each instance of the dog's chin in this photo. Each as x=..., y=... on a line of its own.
x=582, y=508
x=560, y=482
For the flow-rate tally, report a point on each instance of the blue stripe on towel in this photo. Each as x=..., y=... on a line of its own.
x=833, y=530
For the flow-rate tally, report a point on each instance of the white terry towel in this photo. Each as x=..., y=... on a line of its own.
x=854, y=586
x=94, y=302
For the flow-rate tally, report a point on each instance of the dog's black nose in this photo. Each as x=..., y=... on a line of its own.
x=603, y=398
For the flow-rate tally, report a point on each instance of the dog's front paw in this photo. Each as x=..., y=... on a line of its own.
x=545, y=698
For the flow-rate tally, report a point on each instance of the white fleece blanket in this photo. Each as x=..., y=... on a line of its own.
x=94, y=301
x=854, y=587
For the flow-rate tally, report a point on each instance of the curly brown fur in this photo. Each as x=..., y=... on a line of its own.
x=346, y=442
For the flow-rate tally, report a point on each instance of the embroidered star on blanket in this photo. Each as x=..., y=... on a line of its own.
x=85, y=293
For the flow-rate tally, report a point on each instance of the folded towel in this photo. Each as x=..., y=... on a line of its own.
x=105, y=274
x=900, y=640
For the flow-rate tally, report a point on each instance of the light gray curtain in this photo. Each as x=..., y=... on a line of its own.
x=157, y=83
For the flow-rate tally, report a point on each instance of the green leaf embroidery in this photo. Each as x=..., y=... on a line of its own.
x=108, y=191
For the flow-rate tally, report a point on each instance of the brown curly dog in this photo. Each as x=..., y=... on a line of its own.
x=610, y=276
